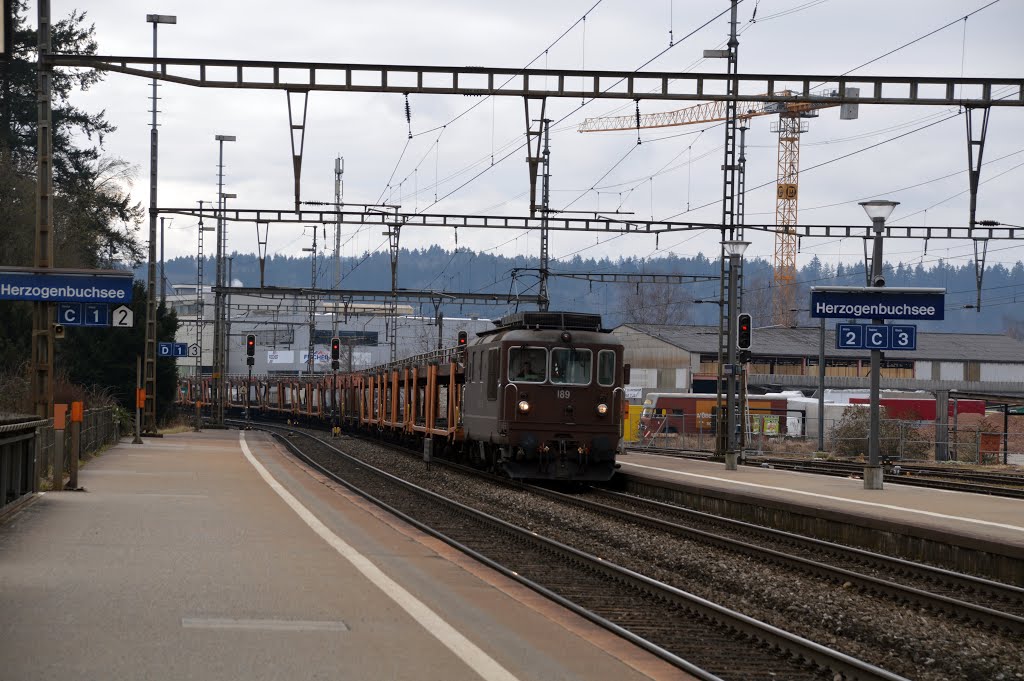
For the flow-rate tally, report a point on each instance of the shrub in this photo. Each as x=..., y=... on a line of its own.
x=896, y=438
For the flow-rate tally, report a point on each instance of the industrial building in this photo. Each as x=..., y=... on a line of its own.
x=282, y=327
x=685, y=359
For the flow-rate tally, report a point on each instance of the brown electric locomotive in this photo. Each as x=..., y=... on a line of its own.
x=538, y=397
x=543, y=397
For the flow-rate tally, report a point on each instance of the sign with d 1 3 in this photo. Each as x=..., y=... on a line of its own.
x=167, y=349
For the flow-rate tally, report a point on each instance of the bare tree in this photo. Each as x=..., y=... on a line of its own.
x=1014, y=327
x=659, y=303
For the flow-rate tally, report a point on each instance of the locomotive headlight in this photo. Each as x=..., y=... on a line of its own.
x=602, y=409
x=524, y=406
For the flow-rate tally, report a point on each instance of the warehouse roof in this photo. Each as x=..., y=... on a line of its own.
x=803, y=342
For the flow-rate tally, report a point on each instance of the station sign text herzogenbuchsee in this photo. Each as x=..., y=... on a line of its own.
x=877, y=303
x=64, y=287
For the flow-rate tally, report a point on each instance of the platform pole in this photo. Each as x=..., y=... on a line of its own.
x=138, y=407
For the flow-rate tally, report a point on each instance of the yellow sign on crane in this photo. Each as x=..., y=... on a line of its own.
x=786, y=191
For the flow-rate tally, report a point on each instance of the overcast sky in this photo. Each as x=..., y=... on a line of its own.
x=676, y=172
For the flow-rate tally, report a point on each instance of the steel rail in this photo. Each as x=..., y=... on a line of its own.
x=769, y=635
x=938, y=602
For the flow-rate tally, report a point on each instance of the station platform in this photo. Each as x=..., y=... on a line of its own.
x=974, y=533
x=216, y=555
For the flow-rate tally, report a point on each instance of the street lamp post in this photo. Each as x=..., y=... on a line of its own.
x=821, y=388
x=878, y=211
x=200, y=319
x=310, y=361
x=734, y=250
x=218, y=296
x=150, y=349
x=229, y=277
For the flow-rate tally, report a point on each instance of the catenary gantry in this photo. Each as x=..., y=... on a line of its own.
x=587, y=224
x=518, y=82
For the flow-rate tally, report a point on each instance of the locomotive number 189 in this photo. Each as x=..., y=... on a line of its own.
x=562, y=394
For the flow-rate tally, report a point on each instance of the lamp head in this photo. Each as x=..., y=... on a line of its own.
x=735, y=247
x=879, y=209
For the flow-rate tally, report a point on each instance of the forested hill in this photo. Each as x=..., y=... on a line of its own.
x=466, y=271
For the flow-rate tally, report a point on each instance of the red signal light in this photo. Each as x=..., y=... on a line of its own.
x=743, y=322
x=250, y=345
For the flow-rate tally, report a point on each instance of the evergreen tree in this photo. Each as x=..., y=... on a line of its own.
x=105, y=358
x=95, y=221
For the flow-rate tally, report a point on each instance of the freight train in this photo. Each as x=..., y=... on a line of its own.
x=538, y=397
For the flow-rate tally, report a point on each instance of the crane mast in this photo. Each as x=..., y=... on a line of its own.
x=790, y=126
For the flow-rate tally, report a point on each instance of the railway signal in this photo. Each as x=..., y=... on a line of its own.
x=250, y=349
x=335, y=353
x=463, y=339
x=743, y=331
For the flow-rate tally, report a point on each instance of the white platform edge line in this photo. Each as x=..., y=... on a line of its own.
x=261, y=625
x=479, y=661
x=891, y=507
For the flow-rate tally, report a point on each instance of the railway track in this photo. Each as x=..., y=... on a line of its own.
x=629, y=543
x=934, y=477
x=960, y=596
x=705, y=639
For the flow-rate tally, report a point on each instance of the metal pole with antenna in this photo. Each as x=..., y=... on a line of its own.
x=218, y=295
x=149, y=365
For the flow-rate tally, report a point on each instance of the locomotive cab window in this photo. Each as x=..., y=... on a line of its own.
x=571, y=366
x=492, y=374
x=606, y=367
x=527, y=365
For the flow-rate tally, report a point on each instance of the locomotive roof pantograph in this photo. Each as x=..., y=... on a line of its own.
x=569, y=321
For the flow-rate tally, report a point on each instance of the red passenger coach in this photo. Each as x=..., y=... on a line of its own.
x=921, y=409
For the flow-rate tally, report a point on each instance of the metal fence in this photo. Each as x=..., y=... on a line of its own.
x=17, y=459
x=26, y=449
x=899, y=439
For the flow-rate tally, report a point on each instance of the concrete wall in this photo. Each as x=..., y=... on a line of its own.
x=1002, y=372
x=951, y=371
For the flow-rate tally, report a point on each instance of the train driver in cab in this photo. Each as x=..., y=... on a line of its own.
x=526, y=372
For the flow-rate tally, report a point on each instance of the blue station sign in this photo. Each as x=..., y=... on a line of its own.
x=876, y=337
x=857, y=302
x=78, y=286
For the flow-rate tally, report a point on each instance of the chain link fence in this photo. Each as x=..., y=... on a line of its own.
x=980, y=440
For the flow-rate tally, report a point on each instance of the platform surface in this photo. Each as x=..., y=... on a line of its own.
x=980, y=516
x=182, y=561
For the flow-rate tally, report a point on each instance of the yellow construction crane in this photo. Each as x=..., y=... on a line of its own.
x=789, y=127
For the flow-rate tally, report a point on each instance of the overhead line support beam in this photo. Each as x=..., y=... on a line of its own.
x=534, y=83
x=592, y=224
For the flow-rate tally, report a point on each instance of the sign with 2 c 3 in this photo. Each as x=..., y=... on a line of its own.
x=876, y=337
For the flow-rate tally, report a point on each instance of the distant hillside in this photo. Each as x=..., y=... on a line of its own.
x=465, y=271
